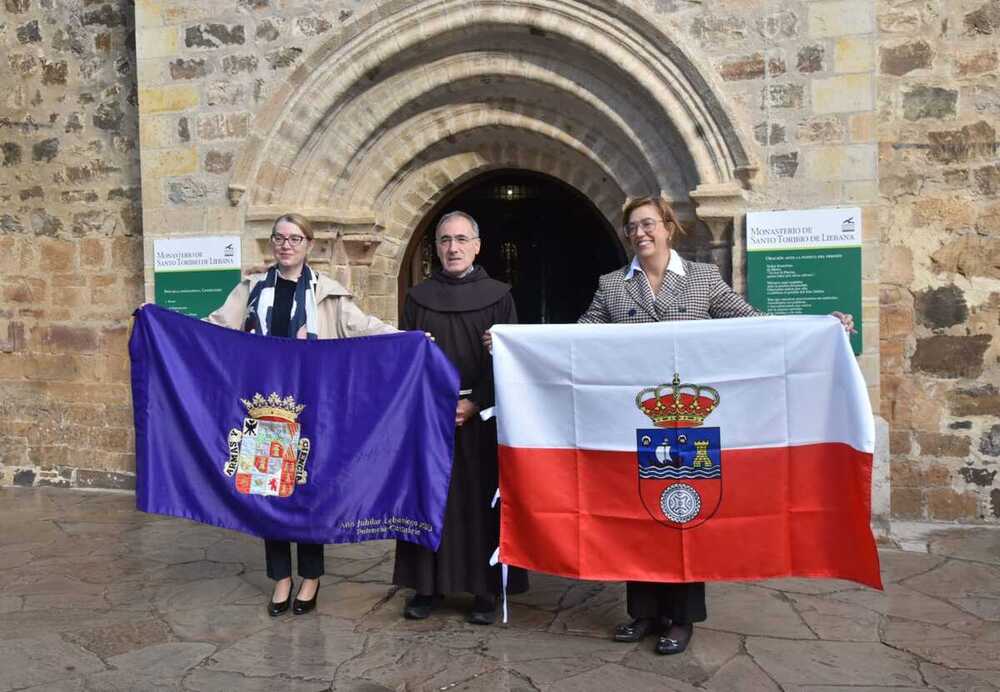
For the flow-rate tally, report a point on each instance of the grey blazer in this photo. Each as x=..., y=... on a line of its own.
x=700, y=294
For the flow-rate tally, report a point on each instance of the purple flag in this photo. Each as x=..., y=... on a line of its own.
x=330, y=441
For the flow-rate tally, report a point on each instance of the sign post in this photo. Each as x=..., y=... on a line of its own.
x=194, y=275
x=806, y=262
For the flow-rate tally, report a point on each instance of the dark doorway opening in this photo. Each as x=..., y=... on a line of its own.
x=543, y=237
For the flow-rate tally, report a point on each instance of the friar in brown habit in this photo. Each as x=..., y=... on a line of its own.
x=456, y=306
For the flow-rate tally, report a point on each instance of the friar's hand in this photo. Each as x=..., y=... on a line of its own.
x=430, y=336
x=488, y=341
x=465, y=410
x=846, y=319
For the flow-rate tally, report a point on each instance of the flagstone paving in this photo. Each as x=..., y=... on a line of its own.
x=97, y=596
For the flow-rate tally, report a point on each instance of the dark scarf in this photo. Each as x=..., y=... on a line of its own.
x=260, y=305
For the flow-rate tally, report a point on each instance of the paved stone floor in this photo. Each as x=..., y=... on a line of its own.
x=97, y=596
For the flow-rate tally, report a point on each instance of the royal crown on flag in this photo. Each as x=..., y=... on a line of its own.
x=675, y=404
x=273, y=407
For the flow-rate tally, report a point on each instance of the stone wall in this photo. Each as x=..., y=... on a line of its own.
x=938, y=115
x=890, y=105
x=70, y=241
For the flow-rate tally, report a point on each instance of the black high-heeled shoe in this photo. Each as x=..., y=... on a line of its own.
x=275, y=609
x=302, y=607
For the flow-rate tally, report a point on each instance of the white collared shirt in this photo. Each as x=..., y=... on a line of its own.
x=675, y=265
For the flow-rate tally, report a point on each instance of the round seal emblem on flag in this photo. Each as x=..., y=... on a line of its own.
x=680, y=502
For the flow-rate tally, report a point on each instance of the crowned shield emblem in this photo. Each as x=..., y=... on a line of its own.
x=267, y=455
x=679, y=460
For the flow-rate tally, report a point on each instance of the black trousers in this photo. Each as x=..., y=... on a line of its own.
x=279, y=559
x=682, y=603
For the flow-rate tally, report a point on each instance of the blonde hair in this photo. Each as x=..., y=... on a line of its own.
x=304, y=224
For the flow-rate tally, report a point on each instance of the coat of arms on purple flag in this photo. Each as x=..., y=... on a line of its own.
x=268, y=455
x=314, y=441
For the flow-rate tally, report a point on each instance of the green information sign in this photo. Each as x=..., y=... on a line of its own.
x=806, y=263
x=194, y=275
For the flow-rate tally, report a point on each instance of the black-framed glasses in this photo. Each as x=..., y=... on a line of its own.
x=647, y=225
x=292, y=240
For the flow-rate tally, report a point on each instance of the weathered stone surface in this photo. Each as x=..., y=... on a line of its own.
x=810, y=59
x=46, y=150
x=715, y=29
x=218, y=161
x=822, y=130
x=236, y=64
x=987, y=180
x=922, y=102
x=283, y=57
x=907, y=57
x=312, y=26
x=951, y=356
x=267, y=30
x=29, y=32
x=744, y=67
x=956, y=146
x=11, y=153
x=113, y=480
x=214, y=35
x=46, y=660
x=989, y=444
x=769, y=133
x=832, y=663
x=978, y=63
x=970, y=255
x=784, y=165
x=782, y=96
x=985, y=20
x=190, y=68
x=941, y=307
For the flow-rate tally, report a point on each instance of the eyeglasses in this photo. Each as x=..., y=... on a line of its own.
x=460, y=240
x=647, y=225
x=292, y=240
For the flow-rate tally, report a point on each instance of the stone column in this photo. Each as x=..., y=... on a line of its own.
x=722, y=207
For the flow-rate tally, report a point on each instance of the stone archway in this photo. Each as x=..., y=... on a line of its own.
x=379, y=124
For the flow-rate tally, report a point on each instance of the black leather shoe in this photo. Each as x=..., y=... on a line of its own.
x=484, y=611
x=275, y=609
x=418, y=608
x=676, y=640
x=635, y=630
x=302, y=607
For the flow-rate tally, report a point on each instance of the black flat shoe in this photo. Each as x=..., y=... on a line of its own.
x=302, y=607
x=634, y=631
x=275, y=609
x=418, y=608
x=676, y=640
x=484, y=611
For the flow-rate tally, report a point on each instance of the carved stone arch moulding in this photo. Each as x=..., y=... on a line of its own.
x=377, y=124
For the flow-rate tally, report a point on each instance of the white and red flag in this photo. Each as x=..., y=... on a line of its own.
x=685, y=451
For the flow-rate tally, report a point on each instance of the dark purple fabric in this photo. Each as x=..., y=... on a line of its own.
x=379, y=414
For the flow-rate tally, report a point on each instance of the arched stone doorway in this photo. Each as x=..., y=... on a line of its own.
x=417, y=98
x=539, y=234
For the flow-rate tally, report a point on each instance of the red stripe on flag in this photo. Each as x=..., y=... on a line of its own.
x=785, y=511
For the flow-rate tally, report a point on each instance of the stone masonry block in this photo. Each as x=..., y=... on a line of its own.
x=843, y=94
x=841, y=18
x=853, y=162
x=161, y=163
x=853, y=54
x=156, y=42
x=170, y=98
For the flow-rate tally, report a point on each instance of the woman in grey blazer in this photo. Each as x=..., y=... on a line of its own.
x=656, y=287
x=659, y=286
